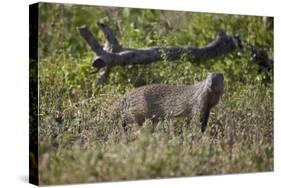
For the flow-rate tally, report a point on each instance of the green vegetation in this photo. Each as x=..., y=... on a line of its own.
x=76, y=143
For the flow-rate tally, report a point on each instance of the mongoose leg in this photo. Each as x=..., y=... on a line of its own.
x=204, y=116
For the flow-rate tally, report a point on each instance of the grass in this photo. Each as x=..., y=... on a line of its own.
x=84, y=148
x=77, y=143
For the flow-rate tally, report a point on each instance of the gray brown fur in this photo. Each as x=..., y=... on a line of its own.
x=154, y=101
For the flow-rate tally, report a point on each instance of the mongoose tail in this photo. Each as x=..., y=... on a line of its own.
x=213, y=91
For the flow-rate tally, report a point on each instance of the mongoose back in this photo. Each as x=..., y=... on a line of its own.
x=153, y=101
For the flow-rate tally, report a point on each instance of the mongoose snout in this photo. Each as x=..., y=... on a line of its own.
x=215, y=81
x=156, y=100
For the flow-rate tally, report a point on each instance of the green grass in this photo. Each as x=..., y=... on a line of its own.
x=78, y=144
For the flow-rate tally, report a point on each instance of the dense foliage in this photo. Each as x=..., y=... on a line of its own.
x=76, y=143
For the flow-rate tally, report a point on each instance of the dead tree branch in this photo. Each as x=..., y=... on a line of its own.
x=111, y=44
x=114, y=54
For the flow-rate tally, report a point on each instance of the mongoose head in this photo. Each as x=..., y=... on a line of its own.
x=215, y=82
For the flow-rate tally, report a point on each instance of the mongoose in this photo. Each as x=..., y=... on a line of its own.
x=156, y=100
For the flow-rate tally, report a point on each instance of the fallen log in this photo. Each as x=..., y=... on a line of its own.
x=114, y=54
